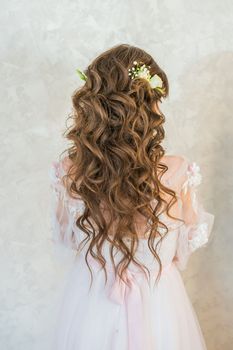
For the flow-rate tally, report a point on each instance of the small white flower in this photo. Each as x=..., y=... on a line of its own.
x=143, y=74
x=156, y=81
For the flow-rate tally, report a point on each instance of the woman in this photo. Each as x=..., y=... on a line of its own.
x=129, y=210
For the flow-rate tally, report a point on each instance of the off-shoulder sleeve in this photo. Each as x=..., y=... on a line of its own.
x=198, y=223
x=63, y=211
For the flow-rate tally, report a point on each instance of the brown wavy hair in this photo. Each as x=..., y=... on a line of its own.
x=115, y=151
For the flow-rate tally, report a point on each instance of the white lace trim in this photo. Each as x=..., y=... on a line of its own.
x=60, y=192
x=200, y=237
x=194, y=177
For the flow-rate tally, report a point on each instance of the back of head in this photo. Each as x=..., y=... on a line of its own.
x=116, y=136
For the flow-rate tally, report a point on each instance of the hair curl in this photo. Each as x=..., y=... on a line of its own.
x=116, y=149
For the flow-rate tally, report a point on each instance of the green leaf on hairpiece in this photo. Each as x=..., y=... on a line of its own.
x=81, y=74
x=162, y=90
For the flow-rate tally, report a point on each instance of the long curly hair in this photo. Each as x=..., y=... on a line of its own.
x=115, y=152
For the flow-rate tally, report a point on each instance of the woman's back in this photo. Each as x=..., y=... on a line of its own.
x=137, y=213
x=172, y=177
x=134, y=315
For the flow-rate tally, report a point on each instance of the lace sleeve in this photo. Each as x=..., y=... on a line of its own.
x=63, y=210
x=198, y=222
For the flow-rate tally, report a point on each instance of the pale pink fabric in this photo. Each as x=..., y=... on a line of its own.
x=130, y=295
x=139, y=315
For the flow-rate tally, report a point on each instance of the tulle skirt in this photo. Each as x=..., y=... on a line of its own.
x=138, y=315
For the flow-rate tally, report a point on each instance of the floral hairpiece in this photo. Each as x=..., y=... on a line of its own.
x=139, y=71
x=143, y=71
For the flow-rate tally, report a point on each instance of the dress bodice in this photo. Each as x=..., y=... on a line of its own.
x=181, y=240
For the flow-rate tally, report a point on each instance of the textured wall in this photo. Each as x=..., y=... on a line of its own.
x=42, y=43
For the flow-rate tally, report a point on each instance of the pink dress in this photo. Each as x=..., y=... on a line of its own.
x=142, y=315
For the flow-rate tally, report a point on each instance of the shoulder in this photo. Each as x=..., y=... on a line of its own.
x=174, y=160
x=66, y=163
x=59, y=168
x=183, y=171
x=177, y=165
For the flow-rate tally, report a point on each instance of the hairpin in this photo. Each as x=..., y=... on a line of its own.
x=139, y=71
x=143, y=71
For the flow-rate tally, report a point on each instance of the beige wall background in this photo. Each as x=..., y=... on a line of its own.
x=42, y=43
